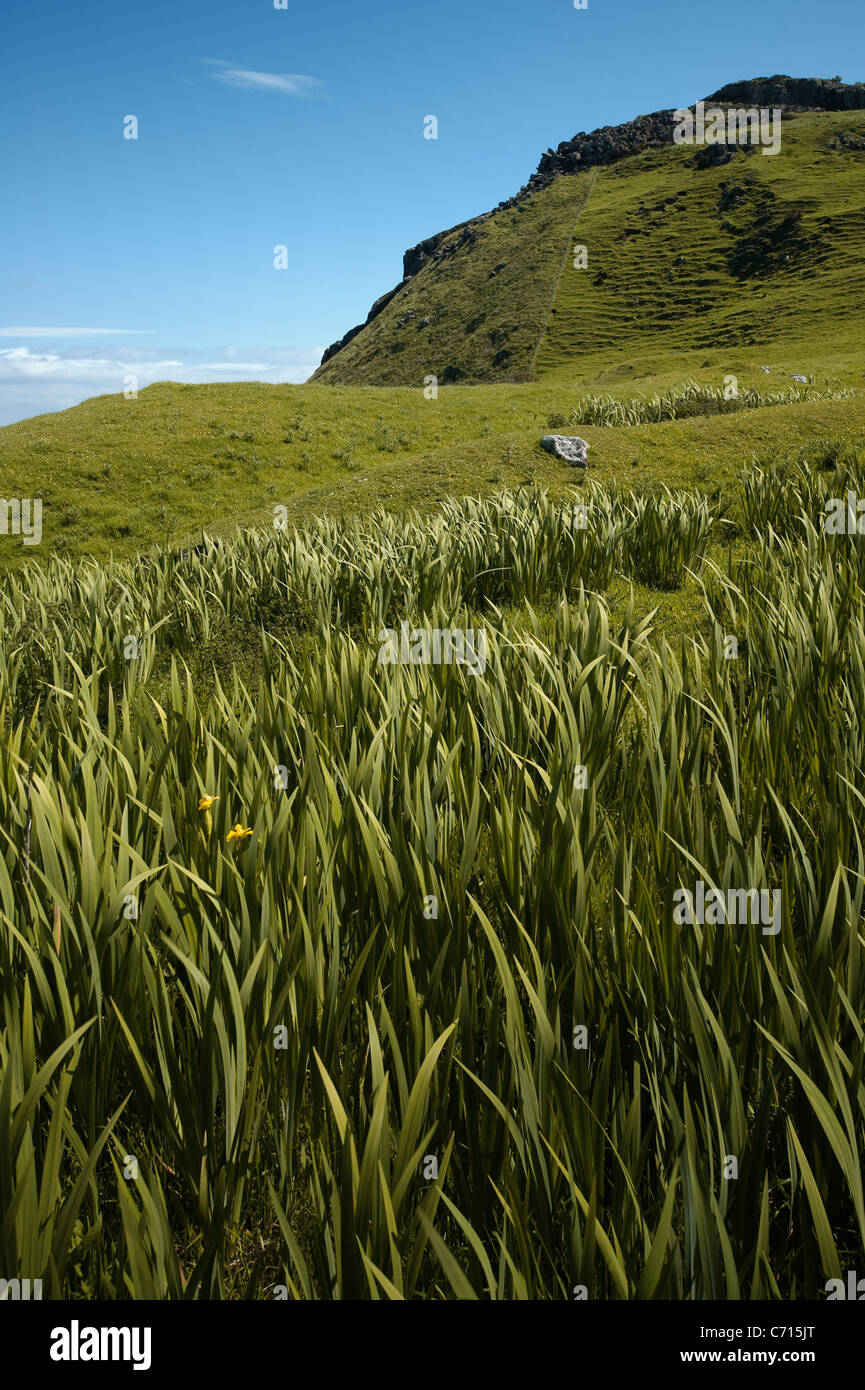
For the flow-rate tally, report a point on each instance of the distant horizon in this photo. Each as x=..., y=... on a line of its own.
x=151, y=183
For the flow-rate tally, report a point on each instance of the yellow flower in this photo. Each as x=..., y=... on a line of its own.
x=238, y=833
x=206, y=802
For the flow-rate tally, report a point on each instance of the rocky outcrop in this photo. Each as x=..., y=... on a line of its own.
x=808, y=93
x=604, y=146
x=439, y=248
x=846, y=141
x=340, y=343
x=435, y=248
x=416, y=257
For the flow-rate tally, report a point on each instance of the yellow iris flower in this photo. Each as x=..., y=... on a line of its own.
x=238, y=833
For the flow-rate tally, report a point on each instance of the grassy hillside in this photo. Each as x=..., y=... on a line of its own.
x=478, y=313
x=756, y=251
x=116, y=476
x=695, y=271
x=330, y=976
x=682, y=254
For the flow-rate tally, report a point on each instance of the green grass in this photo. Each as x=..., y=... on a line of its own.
x=148, y=966
x=484, y=323
x=117, y=476
x=681, y=263
x=147, y=963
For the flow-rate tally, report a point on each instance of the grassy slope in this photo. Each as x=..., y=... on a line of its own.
x=660, y=234
x=670, y=261
x=117, y=476
x=483, y=326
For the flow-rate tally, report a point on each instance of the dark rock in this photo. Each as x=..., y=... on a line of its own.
x=845, y=141
x=710, y=156
x=340, y=343
x=731, y=194
x=383, y=302
x=603, y=146
x=435, y=247
x=816, y=93
x=374, y=312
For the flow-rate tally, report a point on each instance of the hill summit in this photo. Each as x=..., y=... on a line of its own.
x=704, y=241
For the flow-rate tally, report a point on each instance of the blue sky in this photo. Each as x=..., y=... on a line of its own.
x=303, y=127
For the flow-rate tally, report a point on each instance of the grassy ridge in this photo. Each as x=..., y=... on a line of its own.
x=484, y=322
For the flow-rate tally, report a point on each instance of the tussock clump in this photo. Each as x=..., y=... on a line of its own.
x=691, y=399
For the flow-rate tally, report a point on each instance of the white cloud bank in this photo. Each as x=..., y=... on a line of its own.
x=29, y=332
x=34, y=383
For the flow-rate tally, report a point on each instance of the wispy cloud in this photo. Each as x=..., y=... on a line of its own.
x=295, y=84
x=30, y=332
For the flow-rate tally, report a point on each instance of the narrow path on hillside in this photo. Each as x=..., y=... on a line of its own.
x=593, y=178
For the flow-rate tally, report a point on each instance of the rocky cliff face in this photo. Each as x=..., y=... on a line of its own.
x=608, y=144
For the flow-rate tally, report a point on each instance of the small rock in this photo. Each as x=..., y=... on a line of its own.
x=797, y=377
x=568, y=447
